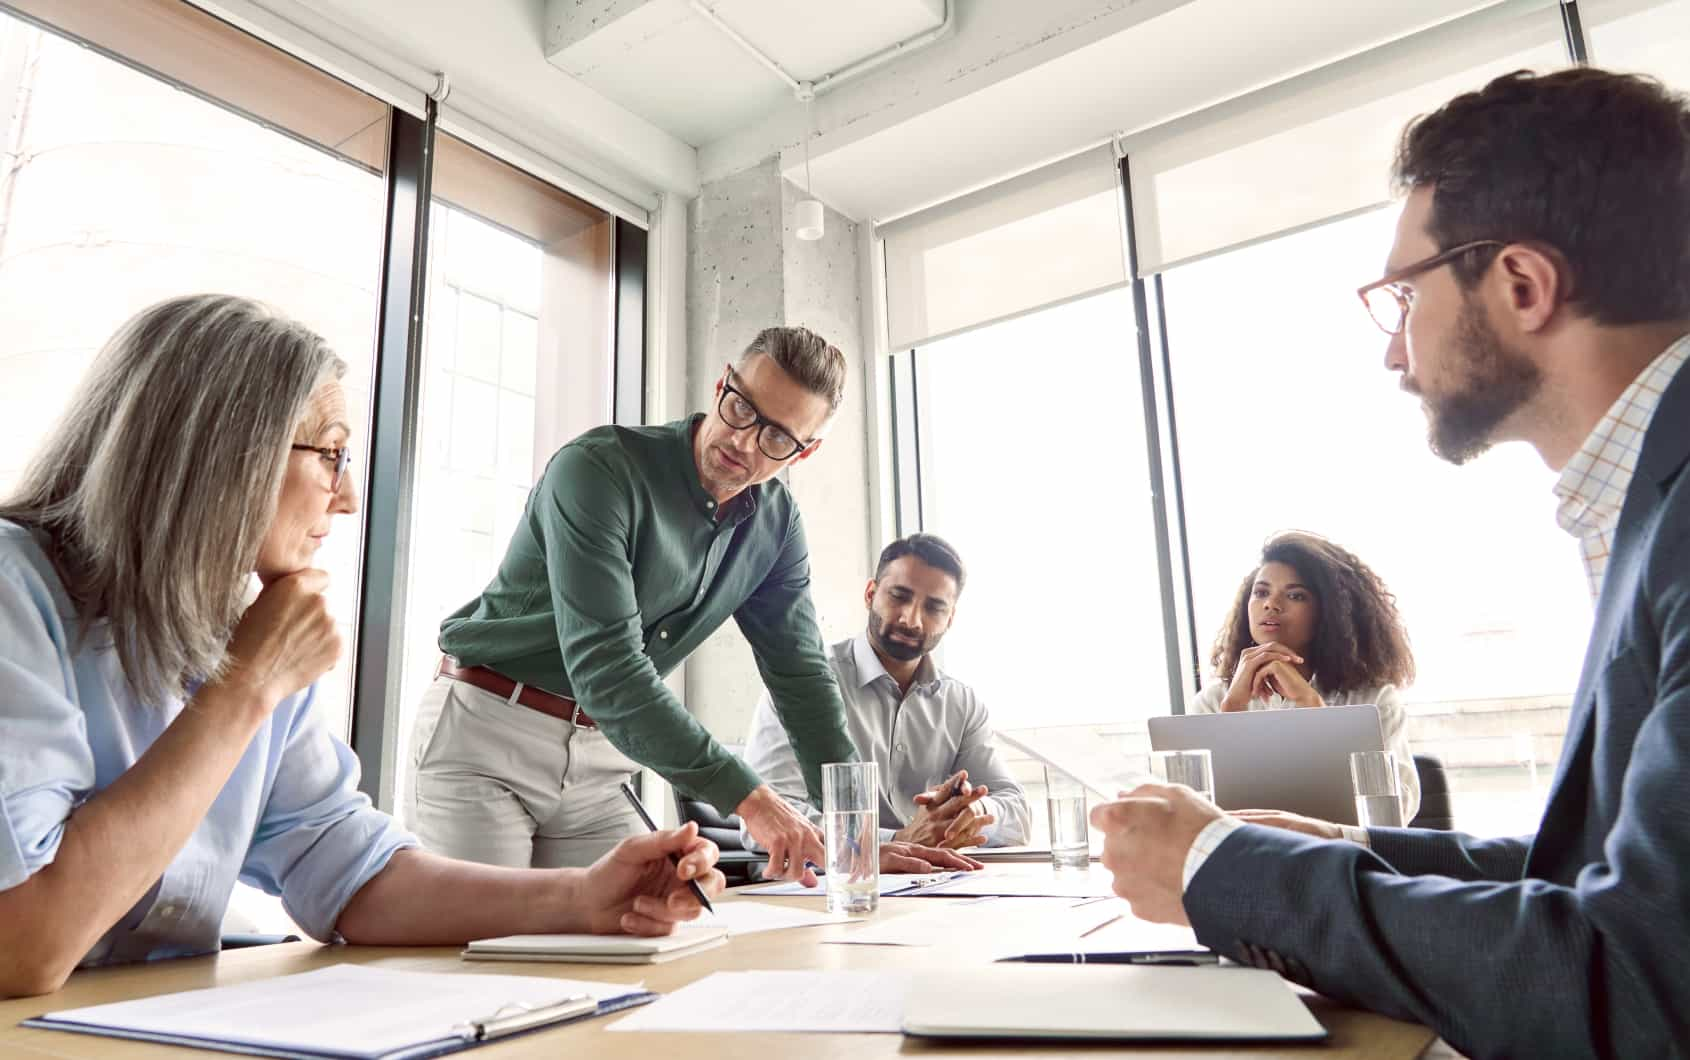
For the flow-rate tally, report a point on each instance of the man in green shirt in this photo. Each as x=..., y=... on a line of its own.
x=637, y=543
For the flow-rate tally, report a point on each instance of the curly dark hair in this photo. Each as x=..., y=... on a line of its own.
x=1359, y=639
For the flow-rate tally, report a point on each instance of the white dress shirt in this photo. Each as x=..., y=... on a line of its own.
x=918, y=739
x=1591, y=490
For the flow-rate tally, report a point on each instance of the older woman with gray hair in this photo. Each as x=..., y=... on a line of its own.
x=159, y=735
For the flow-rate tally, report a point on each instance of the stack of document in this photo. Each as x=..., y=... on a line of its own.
x=351, y=1011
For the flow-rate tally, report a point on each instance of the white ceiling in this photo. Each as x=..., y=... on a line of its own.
x=1192, y=55
x=664, y=61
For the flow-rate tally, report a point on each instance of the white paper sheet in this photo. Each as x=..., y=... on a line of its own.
x=1010, y=927
x=828, y=1002
x=746, y=918
x=346, y=1009
x=889, y=883
x=1013, y=881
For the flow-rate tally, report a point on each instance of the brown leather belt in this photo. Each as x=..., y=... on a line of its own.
x=533, y=698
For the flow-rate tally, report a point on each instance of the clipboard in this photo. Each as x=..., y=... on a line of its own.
x=424, y=1014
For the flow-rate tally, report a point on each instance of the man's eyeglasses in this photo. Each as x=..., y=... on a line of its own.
x=1388, y=301
x=737, y=411
x=336, y=457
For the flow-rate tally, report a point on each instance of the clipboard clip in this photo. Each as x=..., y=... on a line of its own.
x=520, y=1016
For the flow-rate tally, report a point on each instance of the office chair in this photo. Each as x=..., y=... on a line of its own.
x=738, y=864
x=1436, y=810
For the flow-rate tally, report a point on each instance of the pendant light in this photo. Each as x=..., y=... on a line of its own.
x=809, y=220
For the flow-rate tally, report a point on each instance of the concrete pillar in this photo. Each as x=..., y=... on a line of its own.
x=747, y=270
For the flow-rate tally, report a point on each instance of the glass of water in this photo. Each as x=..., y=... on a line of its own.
x=1194, y=769
x=851, y=828
x=1070, y=842
x=1373, y=774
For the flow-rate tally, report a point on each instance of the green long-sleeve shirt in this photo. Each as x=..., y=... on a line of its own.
x=620, y=568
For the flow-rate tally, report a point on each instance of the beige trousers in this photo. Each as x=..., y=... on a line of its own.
x=496, y=782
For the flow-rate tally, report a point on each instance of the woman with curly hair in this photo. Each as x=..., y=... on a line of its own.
x=1313, y=626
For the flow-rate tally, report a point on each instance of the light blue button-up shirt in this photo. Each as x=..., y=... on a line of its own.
x=290, y=820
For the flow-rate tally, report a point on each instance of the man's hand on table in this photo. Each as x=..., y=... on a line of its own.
x=793, y=843
x=896, y=856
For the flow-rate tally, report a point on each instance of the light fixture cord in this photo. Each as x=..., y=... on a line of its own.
x=809, y=120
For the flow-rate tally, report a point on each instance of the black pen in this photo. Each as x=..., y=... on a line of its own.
x=639, y=808
x=1175, y=957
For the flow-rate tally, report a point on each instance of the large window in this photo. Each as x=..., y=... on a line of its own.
x=1288, y=420
x=1030, y=442
x=1033, y=465
x=518, y=360
x=1646, y=36
x=120, y=189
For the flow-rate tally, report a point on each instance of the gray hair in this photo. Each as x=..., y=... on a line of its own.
x=158, y=485
x=811, y=360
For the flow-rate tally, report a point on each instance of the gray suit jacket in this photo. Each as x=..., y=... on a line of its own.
x=1573, y=942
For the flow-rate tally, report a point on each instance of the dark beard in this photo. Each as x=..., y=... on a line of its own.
x=1495, y=382
x=897, y=649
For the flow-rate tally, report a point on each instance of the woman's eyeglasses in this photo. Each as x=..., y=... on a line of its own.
x=336, y=457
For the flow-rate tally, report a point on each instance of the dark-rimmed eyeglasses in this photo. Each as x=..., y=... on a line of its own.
x=336, y=457
x=737, y=411
x=1388, y=300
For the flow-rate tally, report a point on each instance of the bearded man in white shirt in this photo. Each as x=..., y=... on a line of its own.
x=942, y=781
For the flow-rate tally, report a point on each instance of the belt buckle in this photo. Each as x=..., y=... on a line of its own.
x=575, y=716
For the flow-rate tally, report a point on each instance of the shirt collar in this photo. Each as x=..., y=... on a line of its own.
x=870, y=668
x=1593, y=485
x=738, y=508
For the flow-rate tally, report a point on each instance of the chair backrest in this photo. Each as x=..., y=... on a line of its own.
x=738, y=864
x=1436, y=810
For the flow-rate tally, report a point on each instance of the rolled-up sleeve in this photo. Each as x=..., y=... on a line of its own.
x=46, y=765
x=318, y=838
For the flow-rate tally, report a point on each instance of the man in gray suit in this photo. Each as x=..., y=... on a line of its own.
x=1538, y=290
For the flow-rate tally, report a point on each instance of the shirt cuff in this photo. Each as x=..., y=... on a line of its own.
x=1356, y=834
x=1212, y=835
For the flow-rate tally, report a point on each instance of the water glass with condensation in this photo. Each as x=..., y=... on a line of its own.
x=1378, y=789
x=1195, y=769
x=851, y=828
x=1070, y=842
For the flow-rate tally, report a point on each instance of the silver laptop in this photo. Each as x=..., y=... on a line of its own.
x=1297, y=759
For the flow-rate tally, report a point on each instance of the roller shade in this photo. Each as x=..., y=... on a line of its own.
x=1645, y=36
x=1044, y=237
x=1318, y=146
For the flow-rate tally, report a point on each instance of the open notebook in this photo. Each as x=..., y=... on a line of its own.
x=351, y=1011
x=599, y=949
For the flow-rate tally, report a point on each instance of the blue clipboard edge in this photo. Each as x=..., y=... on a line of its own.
x=438, y=1047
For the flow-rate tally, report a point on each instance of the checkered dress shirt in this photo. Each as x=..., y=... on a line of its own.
x=1592, y=486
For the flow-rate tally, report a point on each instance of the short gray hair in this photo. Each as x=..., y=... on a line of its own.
x=156, y=488
x=816, y=364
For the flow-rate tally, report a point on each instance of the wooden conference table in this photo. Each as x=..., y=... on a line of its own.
x=1354, y=1033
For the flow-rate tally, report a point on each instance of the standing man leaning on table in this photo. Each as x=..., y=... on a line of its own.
x=637, y=543
x=1538, y=290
